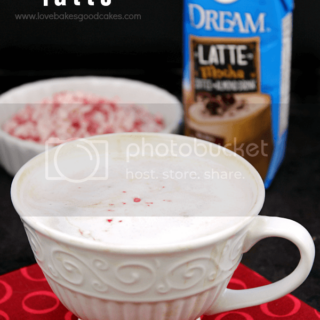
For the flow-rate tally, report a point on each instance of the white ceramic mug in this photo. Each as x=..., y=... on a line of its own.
x=97, y=281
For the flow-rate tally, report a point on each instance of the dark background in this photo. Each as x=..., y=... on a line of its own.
x=150, y=50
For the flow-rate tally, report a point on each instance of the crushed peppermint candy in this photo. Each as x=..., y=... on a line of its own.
x=73, y=115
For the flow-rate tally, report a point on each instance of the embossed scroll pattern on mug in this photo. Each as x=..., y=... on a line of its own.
x=111, y=276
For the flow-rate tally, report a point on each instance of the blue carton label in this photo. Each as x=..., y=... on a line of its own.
x=236, y=83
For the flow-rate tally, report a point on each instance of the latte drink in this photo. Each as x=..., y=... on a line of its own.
x=146, y=200
x=149, y=226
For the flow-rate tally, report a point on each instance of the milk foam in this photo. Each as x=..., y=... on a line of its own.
x=182, y=199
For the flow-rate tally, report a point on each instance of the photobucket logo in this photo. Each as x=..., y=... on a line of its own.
x=226, y=1
x=78, y=162
x=173, y=149
x=197, y=148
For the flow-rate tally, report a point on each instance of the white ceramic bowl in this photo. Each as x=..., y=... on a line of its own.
x=14, y=152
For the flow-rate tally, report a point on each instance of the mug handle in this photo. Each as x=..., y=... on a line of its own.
x=263, y=227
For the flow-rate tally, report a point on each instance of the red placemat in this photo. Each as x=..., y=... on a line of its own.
x=26, y=295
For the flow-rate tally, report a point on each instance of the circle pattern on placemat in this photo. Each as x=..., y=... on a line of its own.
x=8, y=292
x=296, y=307
x=40, y=293
x=237, y=282
x=4, y=315
x=245, y=315
x=24, y=272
